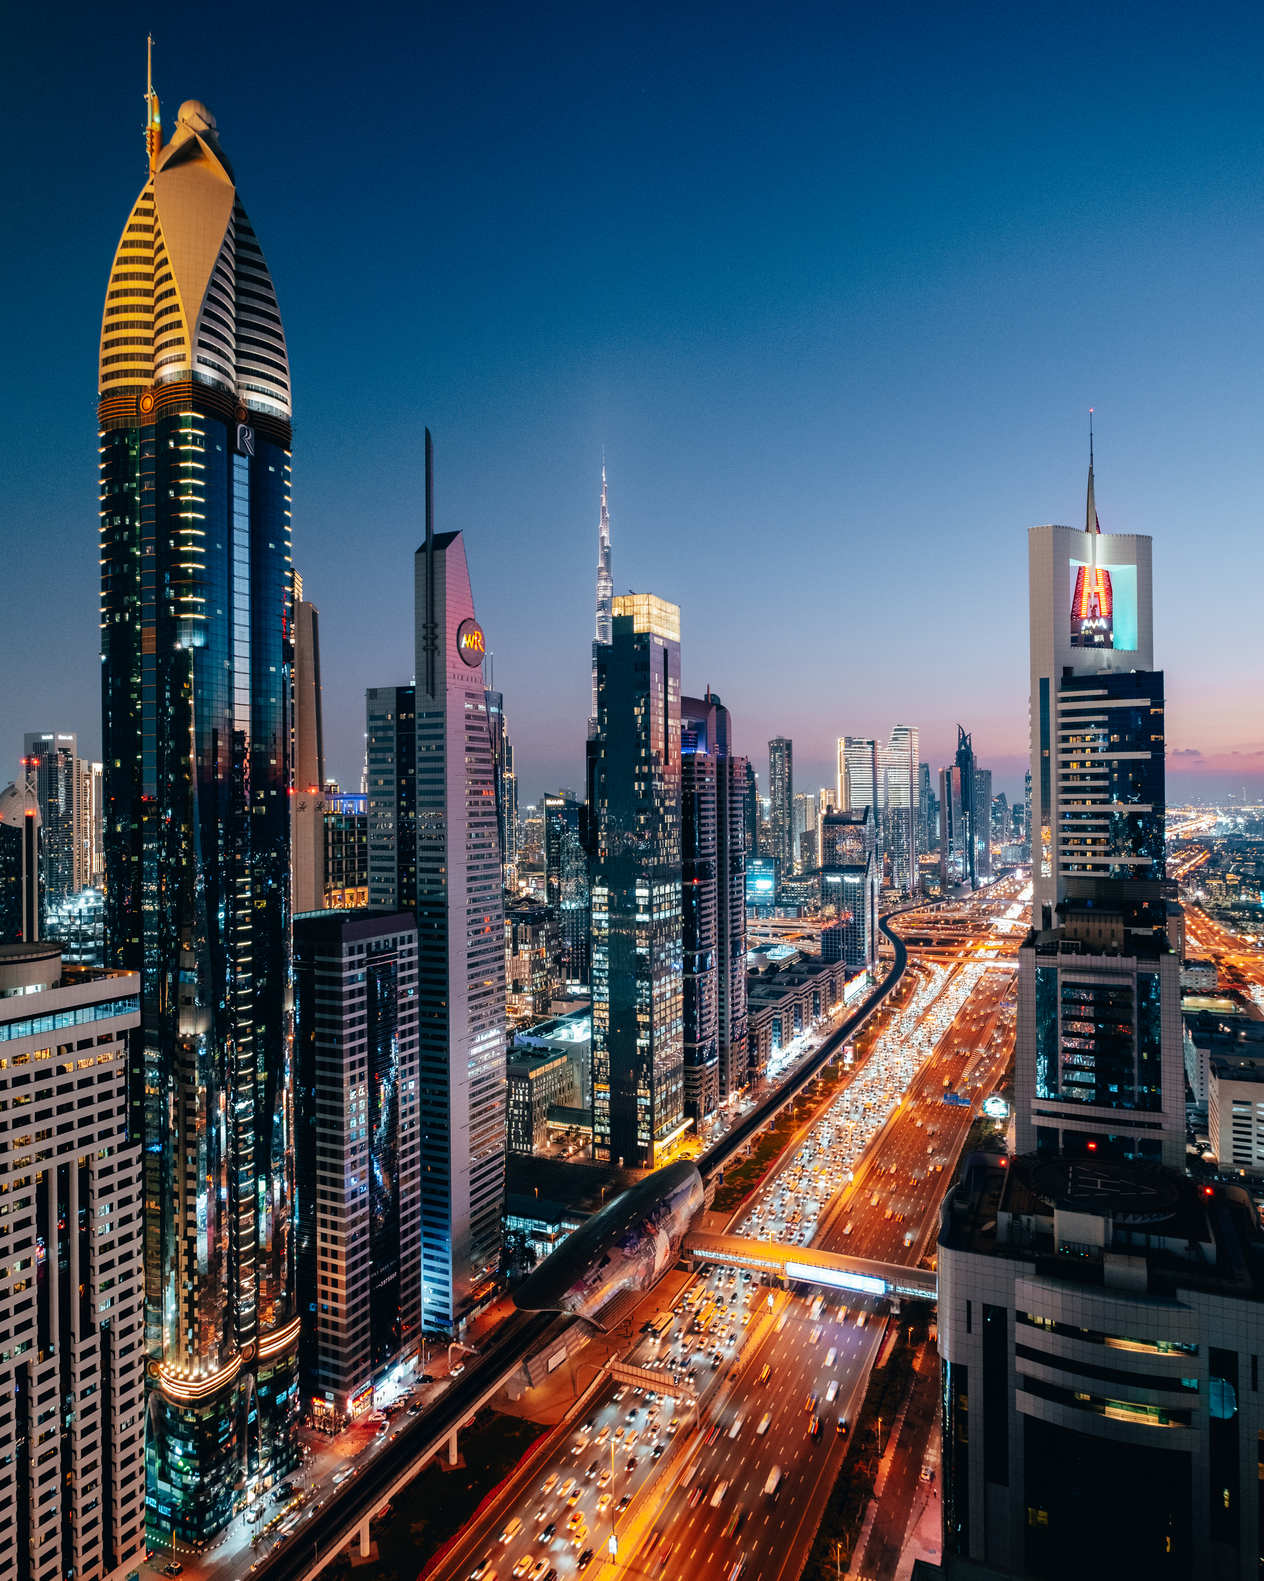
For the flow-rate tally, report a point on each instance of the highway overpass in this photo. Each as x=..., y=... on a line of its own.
x=806, y=1265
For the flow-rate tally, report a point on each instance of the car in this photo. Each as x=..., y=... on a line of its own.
x=631, y=1466
x=511, y=1530
x=575, y=1497
x=623, y=1504
x=765, y=1374
x=523, y=1567
x=540, y=1570
x=549, y=1483
x=593, y=1470
x=928, y=1473
x=765, y=1422
x=604, y=1478
x=584, y=1560
x=566, y=1487
x=549, y=1532
x=717, y=1494
x=173, y=1568
x=481, y=1568
x=340, y=1477
x=541, y=1515
x=603, y=1503
x=831, y=1394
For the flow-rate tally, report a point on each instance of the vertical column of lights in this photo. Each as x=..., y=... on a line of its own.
x=241, y=1095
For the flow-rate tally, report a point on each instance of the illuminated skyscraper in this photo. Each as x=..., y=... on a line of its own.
x=505, y=778
x=307, y=807
x=1095, y=809
x=566, y=885
x=714, y=905
x=19, y=865
x=901, y=791
x=605, y=589
x=50, y=761
x=781, y=805
x=634, y=794
x=460, y=941
x=197, y=646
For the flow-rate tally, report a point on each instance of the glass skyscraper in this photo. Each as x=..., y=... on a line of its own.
x=634, y=791
x=781, y=805
x=196, y=636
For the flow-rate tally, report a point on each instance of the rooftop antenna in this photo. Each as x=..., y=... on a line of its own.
x=153, y=116
x=431, y=635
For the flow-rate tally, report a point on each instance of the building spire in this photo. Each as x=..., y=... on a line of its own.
x=1091, y=523
x=153, y=116
x=605, y=583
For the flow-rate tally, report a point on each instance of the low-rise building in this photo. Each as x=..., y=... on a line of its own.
x=788, y=996
x=1200, y=977
x=537, y=1084
x=569, y=1033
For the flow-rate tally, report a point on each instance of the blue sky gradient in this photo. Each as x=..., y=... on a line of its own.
x=834, y=288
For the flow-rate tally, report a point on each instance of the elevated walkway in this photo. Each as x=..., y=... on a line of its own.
x=806, y=1265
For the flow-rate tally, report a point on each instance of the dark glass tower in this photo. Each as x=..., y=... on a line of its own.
x=196, y=633
x=634, y=792
x=713, y=908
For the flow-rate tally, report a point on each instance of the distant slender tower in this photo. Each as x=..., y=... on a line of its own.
x=197, y=649
x=605, y=590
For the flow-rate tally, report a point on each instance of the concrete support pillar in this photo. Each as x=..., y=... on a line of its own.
x=366, y=1540
x=453, y=1452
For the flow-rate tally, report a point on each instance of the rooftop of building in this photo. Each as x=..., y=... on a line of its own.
x=528, y=1063
x=352, y=923
x=1125, y=1224
x=39, y=967
x=572, y=1026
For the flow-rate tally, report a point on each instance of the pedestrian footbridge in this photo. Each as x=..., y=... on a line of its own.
x=806, y=1265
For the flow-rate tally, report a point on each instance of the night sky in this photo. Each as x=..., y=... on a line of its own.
x=834, y=286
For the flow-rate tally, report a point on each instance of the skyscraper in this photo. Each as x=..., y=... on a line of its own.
x=307, y=833
x=196, y=612
x=901, y=792
x=1099, y=1064
x=1092, y=659
x=850, y=882
x=505, y=779
x=461, y=940
x=605, y=589
x=19, y=865
x=391, y=758
x=72, y=1362
x=781, y=805
x=965, y=817
x=50, y=762
x=359, y=1195
x=634, y=792
x=566, y=887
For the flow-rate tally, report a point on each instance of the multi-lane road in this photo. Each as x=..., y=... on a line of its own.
x=736, y=1486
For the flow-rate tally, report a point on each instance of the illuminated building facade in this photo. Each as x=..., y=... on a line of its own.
x=50, y=762
x=1074, y=809
x=346, y=850
x=781, y=805
x=391, y=755
x=1100, y=1329
x=506, y=781
x=901, y=791
x=358, y=1153
x=566, y=887
x=605, y=590
x=72, y=1321
x=19, y=866
x=307, y=805
x=850, y=884
x=461, y=941
x=714, y=851
x=197, y=648
x=634, y=791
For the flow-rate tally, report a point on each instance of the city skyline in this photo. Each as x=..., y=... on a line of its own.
x=794, y=414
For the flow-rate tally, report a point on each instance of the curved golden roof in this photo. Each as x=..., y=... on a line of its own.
x=189, y=294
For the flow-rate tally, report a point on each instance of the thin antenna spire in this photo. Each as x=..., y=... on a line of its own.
x=431, y=635
x=153, y=115
x=1091, y=524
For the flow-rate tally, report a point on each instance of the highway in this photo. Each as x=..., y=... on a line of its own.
x=700, y=1508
